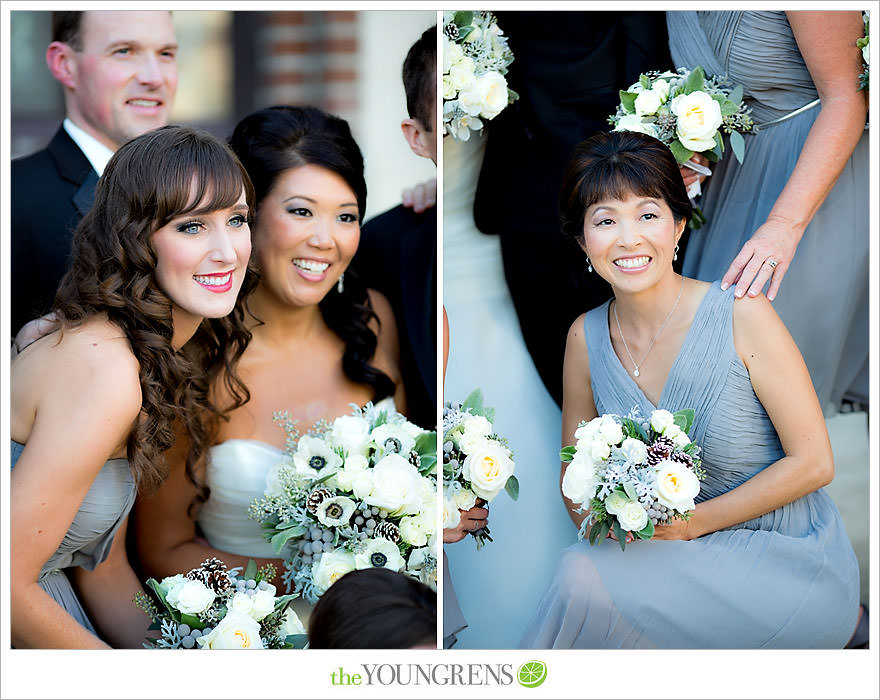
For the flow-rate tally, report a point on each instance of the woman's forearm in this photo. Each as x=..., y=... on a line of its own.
x=39, y=622
x=779, y=484
x=828, y=147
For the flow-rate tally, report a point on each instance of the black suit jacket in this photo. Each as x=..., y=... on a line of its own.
x=50, y=191
x=397, y=256
x=568, y=68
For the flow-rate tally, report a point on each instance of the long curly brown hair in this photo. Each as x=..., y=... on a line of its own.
x=149, y=181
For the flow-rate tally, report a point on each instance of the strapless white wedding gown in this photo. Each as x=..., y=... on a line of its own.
x=236, y=474
x=487, y=351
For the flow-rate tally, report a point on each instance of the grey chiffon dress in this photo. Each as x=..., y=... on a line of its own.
x=787, y=579
x=87, y=542
x=823, y=299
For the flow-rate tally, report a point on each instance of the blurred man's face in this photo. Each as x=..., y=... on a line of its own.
x=125, y=76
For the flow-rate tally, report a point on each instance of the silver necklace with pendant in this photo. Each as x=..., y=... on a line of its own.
x=656, y=335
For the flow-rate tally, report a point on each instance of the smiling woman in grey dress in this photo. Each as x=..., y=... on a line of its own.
x=764, y=560
x=93, y=401
x=800, y=197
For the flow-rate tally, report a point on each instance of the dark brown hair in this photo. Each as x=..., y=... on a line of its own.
x=374, y=609
x=66, y=28
x=419, y=77
x=614, y=164
x=148, y=182
x=273, y=140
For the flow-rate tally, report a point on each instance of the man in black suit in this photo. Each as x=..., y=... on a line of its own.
x=568, y=68
x=119, y=75
x=397, y=254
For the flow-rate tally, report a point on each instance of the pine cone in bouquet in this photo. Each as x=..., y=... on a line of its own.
x=212, y=572
x=662, y=449
x=316, y=497
x=388, y=530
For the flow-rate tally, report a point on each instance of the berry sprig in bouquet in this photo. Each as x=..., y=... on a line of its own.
x=358, y=493
x=477, y=463
x=631, y=475
x=475, y=61
x=213, y=607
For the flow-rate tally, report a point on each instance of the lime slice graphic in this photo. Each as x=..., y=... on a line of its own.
x=532, y=673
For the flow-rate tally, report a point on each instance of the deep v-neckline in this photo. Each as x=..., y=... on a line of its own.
x=676, y=362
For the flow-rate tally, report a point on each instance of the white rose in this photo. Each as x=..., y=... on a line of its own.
x=699, y=117
x=677, y=486
x=488, y=470
x=312, y=455
x=461, y=75
x=672, y=432
x=242, y=602
x=412, y=532
x=486, y=96
x=633, y=122
x=661, y=87
x=451, y=516
x=452, y=54
x=352, y=434
x=194, y=597
x=335, y=511
x=681, y=440
x=428, y=518
x=235, y=631
x=635, y=87
x=632, y=516
x=634, y=450
x=353, y=465
x=579, y=481
x=615, y=503
x=866, y=54
x=397, y=486
x=291, y=624
x=263, y=602
x=661, y=419
x=587, y=431
x=647, y=102
x=379, y=553
x=471, y=442
x=362, y=483
x=610, y=430
x=449, y=89
x=478, y=425
x=597, y=450
x=171, y=585
x=327, y=570
x=274, y=482
x=465, y=499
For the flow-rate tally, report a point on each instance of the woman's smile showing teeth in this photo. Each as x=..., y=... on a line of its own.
x=218, y=282
x=632, y=263
x=311, y=269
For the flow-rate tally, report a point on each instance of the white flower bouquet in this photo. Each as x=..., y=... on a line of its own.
x=477, y=463
x=688, y=112
x=475, y=61
x=357, y=493
x=213, y=607
x=632, y=475
x=866, y=53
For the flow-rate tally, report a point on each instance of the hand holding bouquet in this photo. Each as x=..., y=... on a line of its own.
x=476, y=462
x=355, y=494
x=630, y=475
x=215, y=608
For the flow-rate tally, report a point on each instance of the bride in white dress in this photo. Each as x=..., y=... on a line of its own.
x=498, y=586
x=321, y=342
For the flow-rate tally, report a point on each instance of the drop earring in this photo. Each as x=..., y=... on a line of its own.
x=339, y=283
x=589, y=265
x=675, y=253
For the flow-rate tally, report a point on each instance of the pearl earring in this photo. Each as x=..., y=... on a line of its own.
x=589, y=265
x=339, y=283
x=675, y=254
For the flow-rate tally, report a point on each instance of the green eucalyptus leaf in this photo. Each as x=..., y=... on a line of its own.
x=680, y=152
x=297, y=641
x=738, y=145
x=250, y=571
x=463, y=18
x=647, y=532
x=512, y=487
x=192, y=621
x=684, y=419
x=645, y=81
x=620, y=533
x=279, y=540
x=630, y=491
x=728, y=108
x=736, y=95
x=694, y=81
x=426, y=443
x=474, y=402
x=628, y=101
